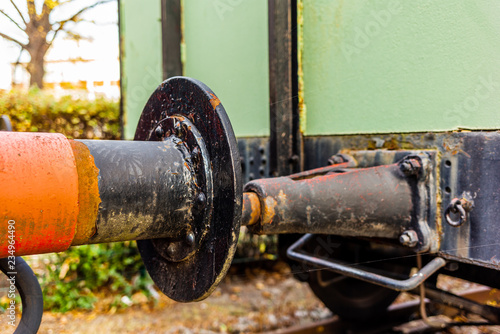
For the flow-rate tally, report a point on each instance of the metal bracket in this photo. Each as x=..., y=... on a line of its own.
x=365, y=274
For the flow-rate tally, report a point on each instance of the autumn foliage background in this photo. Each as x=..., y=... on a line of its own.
x=36, y=110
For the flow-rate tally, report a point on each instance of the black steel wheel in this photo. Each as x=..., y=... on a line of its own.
x=350, y=298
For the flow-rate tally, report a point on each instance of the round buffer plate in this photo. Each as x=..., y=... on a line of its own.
x=193, y=274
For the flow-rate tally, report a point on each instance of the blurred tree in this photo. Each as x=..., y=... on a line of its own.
x=40, y=30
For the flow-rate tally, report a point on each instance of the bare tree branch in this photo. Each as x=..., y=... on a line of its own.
x=18, y=62
x=11, y=19
x=13, y=40
x=42, y=31
x=31, y=9
x=73, y=18
x=81, y=11
x=60, y=2
x=61, y=27
x=19, y=12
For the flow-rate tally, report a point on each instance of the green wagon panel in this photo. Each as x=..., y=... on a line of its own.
x=141, y=58
x=226, y=47
x=380, y=66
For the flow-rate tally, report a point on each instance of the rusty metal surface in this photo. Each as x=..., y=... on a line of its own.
x=467, y=162
x=379, y=202
x=197, y=276
x=345, y=202
x=39, y=193
x=146, y=190
x=364, y=274
x=254, y=155
x=487, y=312
x=457, y=211
x=285, y=140
x=196, y=159
x=251, y=209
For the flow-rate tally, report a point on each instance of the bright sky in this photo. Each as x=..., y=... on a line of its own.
x=104, y=45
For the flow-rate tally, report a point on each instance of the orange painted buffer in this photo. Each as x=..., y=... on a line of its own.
x=39, y=193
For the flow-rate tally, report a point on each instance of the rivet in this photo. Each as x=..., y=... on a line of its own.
x=159, y=131
x=190, y=238
x=201, y=200
x=409, y=238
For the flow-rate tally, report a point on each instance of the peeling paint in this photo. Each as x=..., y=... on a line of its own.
x=300, y=70
x=214, y=101
x=251, y=209
x=88, y=193
x=269, y=210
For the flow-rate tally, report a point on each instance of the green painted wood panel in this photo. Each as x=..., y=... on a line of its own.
x=141, y=58
x=400, y=66
x=226, y=47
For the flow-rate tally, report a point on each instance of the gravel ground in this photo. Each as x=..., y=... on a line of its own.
x=247, y=301
x=252, y=301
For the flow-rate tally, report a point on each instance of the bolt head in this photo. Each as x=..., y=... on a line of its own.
x=336, y=159
x=409, y=238
x=410, y=166
x=404, y=239
x=172, y=249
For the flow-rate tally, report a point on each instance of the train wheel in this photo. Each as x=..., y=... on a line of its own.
x=350, y=298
